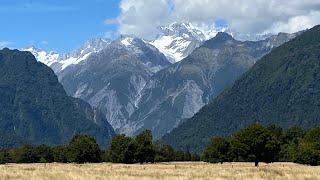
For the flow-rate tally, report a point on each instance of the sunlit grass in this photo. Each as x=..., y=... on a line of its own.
x=175, y=171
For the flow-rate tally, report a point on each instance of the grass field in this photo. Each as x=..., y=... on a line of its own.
x=175, y=171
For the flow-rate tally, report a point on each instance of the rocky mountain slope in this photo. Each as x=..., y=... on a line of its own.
x=112, y=79
x=35, y=109
x=179, y=91
x=135, y=85
x=282, y=89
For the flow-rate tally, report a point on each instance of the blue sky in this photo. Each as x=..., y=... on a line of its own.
x=60, y=25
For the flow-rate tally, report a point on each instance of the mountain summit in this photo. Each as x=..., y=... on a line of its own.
x=178, y=40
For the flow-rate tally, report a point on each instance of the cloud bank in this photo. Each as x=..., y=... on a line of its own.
x=141, y=17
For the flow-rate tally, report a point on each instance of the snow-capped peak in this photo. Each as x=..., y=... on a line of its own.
x=185, y=30
x=48, y=58
x=91, y=46
x=63, y=61
x=127, y=41
x=178, y=40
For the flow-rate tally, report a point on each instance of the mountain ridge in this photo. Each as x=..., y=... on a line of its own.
x=179, y=91
x=281, y=89
x=35, y=109
x=154, y=88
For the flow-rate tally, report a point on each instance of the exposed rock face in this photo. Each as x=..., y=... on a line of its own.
x=179, y=91
x=113, y=78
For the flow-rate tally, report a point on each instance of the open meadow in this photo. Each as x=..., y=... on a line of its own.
x=175, y=171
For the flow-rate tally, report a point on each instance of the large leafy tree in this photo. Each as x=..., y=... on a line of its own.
x=290, y=139
x=308, y=151
x=84, y=148
x=258, y=144
x=217, y=151
x=121, y=150
x=145, y=151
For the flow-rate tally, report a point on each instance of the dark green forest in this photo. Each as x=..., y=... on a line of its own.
x=35, y=109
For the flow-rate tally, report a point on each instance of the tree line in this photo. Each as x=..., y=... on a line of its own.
x=258, y=143
x=84, y=149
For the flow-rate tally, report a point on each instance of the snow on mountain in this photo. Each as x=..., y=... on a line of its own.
x=92, y=46
x=150, y=56
x=61, y=62
x=178, y=40
x=47, y=58
x=175, y=41
x=127, y=41
x=112, y=79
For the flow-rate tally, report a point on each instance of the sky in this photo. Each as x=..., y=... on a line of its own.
x=59, y=25
x=63, y=25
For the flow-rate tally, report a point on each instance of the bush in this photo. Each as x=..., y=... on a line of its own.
x=26, y=154
x=308, y=154
x=163, y=153
x=45, y=154
x=60, y=154
x=5, y=157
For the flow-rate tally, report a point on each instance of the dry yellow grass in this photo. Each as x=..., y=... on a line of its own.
x=174, y=171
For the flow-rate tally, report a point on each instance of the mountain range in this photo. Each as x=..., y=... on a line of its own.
x=156, y=85
x=179, y=91
x=282, y=89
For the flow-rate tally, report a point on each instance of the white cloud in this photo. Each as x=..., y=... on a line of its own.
x=140, y=17
x=5, y=44
x=296, y=23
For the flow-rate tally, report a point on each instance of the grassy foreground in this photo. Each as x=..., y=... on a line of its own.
x=188, y=170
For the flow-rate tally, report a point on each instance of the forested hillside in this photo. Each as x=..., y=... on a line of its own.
x=35, y=109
